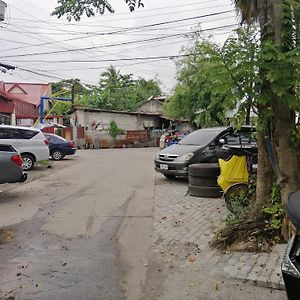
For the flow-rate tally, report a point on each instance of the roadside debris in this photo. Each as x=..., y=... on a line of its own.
x=192, y=258
x=6, y=235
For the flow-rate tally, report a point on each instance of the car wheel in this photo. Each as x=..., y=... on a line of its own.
x=28, y=162
x=204, y=191
x=203, y=181
x=57, y=155
x=211, y=170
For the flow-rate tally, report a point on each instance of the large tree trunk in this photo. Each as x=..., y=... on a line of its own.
x=264, y=177
x=288, y=172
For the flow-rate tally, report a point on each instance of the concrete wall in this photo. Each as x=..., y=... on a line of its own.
x=101, y=120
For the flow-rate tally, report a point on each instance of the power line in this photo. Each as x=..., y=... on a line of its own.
x=114, y=20
x=44, y=74
x=135, y=48
x=125, y=59
x=139, y=27
x=117, y=44
x=17, y=42
x=129, y=13
x=53, y=41
x=93, y=33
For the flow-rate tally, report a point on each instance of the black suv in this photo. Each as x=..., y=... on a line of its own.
x=203, y=145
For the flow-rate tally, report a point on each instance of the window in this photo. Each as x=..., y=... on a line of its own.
x=232, y=139
x=14, y=133
x=5, y=119
x=25, y=134
x=243, y=137
x=50, y=139
x=200, y=137
x=8, y=133
x=7, y=148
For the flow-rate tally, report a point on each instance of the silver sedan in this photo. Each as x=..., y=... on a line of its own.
x=11, y=165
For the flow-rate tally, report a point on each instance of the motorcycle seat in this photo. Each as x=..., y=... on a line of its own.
x=293, y=208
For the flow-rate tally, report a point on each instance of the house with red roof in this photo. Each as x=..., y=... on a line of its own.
x=19, y=102
x=6, y=108
x=28, y=92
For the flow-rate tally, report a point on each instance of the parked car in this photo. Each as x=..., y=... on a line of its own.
x=30, y=143
x=59, y=147
x=203, y=145
x=11, y=170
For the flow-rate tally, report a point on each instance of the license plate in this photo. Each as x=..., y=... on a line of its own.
x=164, y=167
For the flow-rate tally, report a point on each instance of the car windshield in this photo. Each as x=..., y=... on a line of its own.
x=200, y=137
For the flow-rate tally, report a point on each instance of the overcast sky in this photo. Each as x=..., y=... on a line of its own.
x=125, y=40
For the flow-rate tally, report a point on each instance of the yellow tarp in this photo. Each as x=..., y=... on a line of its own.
x=233, y=171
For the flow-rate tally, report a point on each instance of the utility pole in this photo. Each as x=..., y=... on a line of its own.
x=73, y=93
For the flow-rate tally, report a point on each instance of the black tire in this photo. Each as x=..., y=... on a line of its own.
x=204, y=191
x=57, y=154
x=28, y=162
x=169, y=176
x=211, y=170
x=203, y=181
x=234, y=199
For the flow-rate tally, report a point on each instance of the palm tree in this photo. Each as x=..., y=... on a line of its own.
x=111, y=77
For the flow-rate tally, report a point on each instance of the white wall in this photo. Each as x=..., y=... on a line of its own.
x=124, y=121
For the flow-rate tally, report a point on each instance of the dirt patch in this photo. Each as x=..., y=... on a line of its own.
x=6, y=236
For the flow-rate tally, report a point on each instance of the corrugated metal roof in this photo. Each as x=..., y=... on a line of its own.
x=113, y=111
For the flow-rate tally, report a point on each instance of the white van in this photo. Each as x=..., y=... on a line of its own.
x=30, y=142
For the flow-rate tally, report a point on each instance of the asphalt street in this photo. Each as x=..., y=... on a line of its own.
x=80, y=231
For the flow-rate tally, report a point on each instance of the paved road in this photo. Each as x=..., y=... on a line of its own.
x=82, y=231
x=102, y=225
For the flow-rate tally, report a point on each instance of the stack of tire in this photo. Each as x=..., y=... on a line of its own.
x=203, y=180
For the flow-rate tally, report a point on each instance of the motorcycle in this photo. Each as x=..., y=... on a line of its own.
x=290, y=266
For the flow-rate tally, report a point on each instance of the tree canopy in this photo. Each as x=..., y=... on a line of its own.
x=75, y=9
x=116, y=91
x=214, y=79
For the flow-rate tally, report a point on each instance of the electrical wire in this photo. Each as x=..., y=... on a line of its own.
x=116, y=44
x=113, y=20
x=119, y=14
x=139, y=27
x=131, y=30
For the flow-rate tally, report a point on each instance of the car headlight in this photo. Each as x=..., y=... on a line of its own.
x=184, y=157
x=157, y=155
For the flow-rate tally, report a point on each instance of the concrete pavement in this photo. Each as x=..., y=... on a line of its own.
x=81, y=232
x=184, y=226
